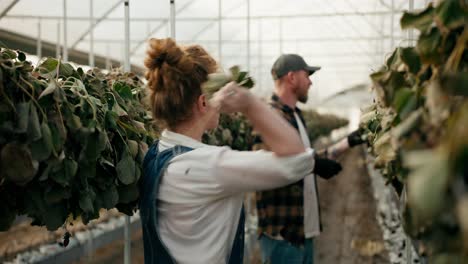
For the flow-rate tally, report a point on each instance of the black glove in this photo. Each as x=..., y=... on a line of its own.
x=326, y=168
x=355, y=138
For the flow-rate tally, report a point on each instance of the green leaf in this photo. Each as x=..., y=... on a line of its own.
x=22, y=116
x=9, y=54
x=54, y=216
x=133, y=147
x=86, y=201
x=47, y=137
x=57, y=139
x=247, y=83
x=411, y=58
x=422, y=20
x=34, y=126
x=128, y=193
x=111, y=120
x=235, y=71
x=57, y=194
x=386, y=84
x=455, y=83
x=119, y=110
x=95, y=144
x=8, y=217
x=66, y=70
x=428, y=46
x=427, y=184
x=110, y=197
x=410, y=123
x=21, y=56
x=48, y=68
x=71, y=167
x=123, y=90
x=45, y=174
x=50, y=88
x=404, y=102
x=126, y=169
x=17, y=163
x=451, y=13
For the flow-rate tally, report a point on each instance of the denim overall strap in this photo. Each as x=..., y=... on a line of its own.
x=237, y=251
x=154, y=165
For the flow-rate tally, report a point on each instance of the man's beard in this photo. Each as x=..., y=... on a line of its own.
x=303, y=98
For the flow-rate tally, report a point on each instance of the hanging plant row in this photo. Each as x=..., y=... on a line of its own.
x=71, y=142
x=418, y=128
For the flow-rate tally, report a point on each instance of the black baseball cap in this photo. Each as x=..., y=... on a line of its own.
x=290, y=62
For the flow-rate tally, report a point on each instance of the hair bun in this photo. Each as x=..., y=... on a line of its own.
x=162, y=51
x=160, y=60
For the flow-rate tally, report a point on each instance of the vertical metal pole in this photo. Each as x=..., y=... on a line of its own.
x=220, y=32
x=411, y=31
x=173, y=26
x=392, y=20
x=127, y=235
x=259, y=67
x=59, y=39
x=381, y=45
x=91, y=34
x=39, y=41
x=65, y=46
x=108, y=62
x=280, y=36
x=248, y=35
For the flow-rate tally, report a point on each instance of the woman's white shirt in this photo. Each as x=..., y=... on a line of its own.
x=201, y=194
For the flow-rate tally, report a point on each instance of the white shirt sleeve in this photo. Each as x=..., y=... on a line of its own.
x=210, y=173
x=242, y=171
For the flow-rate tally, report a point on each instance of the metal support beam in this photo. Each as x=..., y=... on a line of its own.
x=208, y=19
x=392, y=26
x=248, y=35
x=91, y=34
x=411, y=31
x=365, y=18
x=259, y=52
x=65, y=35
x=220, y=32
x=59, y=40
x=269, y=41
x=28, y=43
x=127, y=233
x=39, y=40
x=280, y=36
x=173, y=21
x=155, y=30
x=141, y=42
x=8, y=8
x=99, y=20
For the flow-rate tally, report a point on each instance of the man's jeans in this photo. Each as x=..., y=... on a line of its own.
x=282, y=252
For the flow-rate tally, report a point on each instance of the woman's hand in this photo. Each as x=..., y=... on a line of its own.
x=232, y=98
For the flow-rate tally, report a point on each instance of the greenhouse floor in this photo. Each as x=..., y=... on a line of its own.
x=351, y=233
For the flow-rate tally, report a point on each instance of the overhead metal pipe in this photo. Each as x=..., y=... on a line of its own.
x=65, y=37
x=173, y=19
x=39, y=40
x=127, y=233
x=91, y=34
x=220, y=32
x=59, y=39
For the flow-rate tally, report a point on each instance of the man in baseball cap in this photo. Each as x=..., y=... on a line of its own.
x=288, y=217
x=290, y=62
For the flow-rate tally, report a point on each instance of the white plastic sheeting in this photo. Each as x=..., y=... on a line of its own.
x=348, y=38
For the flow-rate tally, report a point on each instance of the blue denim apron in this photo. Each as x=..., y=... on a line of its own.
x=154, y=165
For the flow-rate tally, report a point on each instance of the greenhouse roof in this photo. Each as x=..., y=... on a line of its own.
x=349, y=39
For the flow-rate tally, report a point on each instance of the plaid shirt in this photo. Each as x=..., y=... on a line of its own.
x=281, y=211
